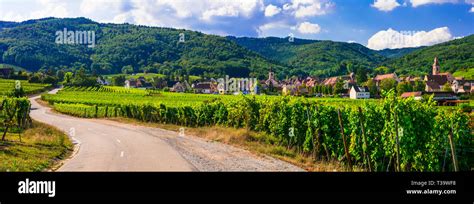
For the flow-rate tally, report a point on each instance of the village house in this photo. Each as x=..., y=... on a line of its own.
x=348, y=81
x=443, y=96
x=178, y=87
x=271, y=81
x=359, y=92
x=205, y=87
x=102, y=82
x=381, y=77
x=298, y=86
x=310, y=81
x=460, y=85
x=330, y=81
x=416, y=95
x=291, y=89
x=435, y=81
x=137, y=83
x=132, y=83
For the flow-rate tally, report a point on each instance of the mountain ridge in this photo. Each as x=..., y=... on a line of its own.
x=31, y=44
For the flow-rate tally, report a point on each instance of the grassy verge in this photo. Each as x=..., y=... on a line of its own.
x=41, y=147
x=255, y=142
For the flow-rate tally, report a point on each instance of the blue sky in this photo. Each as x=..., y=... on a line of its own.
x=377, y=24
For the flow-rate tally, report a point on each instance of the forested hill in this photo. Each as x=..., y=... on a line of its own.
x=399, y=52
x=453, y=55
x=31, y=44
x=124, y=47
x=314, y=57
x=330, y=58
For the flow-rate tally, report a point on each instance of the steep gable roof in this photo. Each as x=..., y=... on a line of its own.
x=361, y=88
x=439, y=79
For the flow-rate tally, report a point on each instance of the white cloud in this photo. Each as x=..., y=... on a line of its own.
x=272, y=10
x=274, y=29
x=416, y=3
x=385, y=5
x=309, y=8
x=472, y=3
x=309, y=28
x=394, y=39
x=226, y=11
x=149, y=11
x=46, y=8
x=283, y=29
x=91, y=6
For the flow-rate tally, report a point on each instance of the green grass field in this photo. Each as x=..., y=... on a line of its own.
x=39, y=149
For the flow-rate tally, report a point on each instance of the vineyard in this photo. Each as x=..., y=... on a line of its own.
x=30, y=88
x=14, y=115
x=392, y=134
x=14, y=111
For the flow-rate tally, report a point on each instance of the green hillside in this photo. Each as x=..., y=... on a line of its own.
x=32, y=45
x=395, y=53
x=131, y=48
x=313, y=57
x=453, y=55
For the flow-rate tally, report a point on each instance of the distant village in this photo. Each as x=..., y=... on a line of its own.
x=445, y=88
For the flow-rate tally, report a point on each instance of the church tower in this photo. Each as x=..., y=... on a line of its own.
x=436, y=66
x=271, y=75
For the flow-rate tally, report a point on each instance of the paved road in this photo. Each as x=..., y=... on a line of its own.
x=104, y=145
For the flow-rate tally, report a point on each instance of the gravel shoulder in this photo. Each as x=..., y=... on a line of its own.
x=207, y=155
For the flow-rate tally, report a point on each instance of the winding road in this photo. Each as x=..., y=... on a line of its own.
x=104, y=145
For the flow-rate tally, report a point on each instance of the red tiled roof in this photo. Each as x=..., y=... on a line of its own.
x=330, y=81
x=385, y=76
x=410, y=94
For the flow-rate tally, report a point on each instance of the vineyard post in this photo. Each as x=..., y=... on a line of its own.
x=366, y=157
x=397, y=140
x=344, y=139
x=315, y=139
x=453, y=149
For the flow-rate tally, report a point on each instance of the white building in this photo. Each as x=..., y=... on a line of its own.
x=359, y=92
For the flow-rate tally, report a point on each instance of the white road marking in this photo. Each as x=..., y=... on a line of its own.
x=121, y=154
